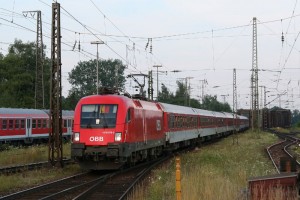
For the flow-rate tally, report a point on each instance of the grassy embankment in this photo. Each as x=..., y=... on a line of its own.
x=14, y=156
x=30, y=154
x=218, y=171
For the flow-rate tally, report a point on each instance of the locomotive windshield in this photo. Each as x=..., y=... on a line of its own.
x=98, y=116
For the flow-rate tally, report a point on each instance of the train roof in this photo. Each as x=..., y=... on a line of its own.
x=69, y=113
x=65, y=113
x=220, y=114
x=185, y=110
x=178, y=109
x=22, y=111
x=170, y=108
x=228, y=115
x=26, y=112
x=242, y=117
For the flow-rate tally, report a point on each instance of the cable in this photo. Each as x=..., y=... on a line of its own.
x=291, y=16
x=283, y=67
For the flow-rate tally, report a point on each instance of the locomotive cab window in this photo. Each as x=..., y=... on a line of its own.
x=128, y=115
x=98, y=116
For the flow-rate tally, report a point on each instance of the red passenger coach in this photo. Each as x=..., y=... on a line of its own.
x=22, y=124
x=18, y=125
x=110, y=130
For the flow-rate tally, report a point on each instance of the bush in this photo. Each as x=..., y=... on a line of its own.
x=4, y=147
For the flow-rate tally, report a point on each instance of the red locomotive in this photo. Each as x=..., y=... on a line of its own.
x=113, y=130
x=29, y=125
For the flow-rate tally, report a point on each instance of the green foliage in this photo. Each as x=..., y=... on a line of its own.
x=83, y=79
x=211, y=103
x=296, y=118
x=17, y=76
x=182, y=97
x=165, y=95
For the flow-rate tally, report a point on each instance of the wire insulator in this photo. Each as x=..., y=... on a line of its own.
x=147, y=45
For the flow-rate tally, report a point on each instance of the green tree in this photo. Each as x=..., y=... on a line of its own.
x=295, y=117
x=211, y=103
x=17, y=76
x=83, y=79
x=195, y=103
x=181, y=95
x=165, y=95
x=183, y=98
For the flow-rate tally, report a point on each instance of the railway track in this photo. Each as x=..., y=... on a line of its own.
x=280, y=151
x=74, y=185
x=30, y=166
x=119, y=185
x=102, y=185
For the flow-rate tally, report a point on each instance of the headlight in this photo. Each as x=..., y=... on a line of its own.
x=118, y=136
x=76, y=137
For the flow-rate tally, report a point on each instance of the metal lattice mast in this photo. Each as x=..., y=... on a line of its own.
x=202, y=82
x=39, y=83
x=234, y=107
x=39, y=95
x=117, y=77
x=254, y=78
x=234, y=97
x=265, y=110
x=188, y=89
x=251, y=98
x=150, y=86
x=55, y=136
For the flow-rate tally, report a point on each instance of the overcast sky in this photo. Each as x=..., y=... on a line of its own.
x=204, y=40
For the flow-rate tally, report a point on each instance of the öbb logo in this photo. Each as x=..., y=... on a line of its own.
x=96, y=139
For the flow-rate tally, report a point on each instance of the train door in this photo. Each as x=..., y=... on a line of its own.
x=129, y=115
x=69, y=127
x=145, y=127
x=28, y=127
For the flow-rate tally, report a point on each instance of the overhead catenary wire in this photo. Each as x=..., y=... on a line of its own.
x=215, y=35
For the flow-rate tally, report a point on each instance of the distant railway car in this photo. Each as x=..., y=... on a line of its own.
x=270, y=118
x=112, y=130
x=280, y=186
x=280, y=118
x=29, y=125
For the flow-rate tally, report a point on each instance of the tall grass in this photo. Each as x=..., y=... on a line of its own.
x=30, y=154
x=218, y=171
